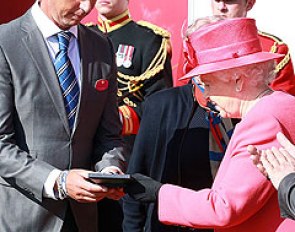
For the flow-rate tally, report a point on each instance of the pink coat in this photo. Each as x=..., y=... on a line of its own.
x=241, y=198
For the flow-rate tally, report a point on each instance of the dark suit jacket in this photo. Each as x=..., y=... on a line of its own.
x=34, y=132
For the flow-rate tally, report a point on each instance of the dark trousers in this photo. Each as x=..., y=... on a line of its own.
x=110, y=215
x=69, y=222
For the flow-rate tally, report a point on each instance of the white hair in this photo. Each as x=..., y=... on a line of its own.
x=257, y=74
x=200, y=22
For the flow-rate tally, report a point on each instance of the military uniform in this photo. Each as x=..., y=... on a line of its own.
x=144, y=67
x=143, y=63
x=285, y=78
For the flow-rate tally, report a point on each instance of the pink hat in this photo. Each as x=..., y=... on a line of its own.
x=226, y=44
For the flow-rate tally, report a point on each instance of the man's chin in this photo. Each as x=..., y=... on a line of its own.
x=74, y=21
x=105, y=10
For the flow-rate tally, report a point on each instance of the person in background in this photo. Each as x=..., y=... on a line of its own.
x=142, y=56
x=179, y=143
x=58, y=119
x=233, y=74
x=144, y=67
x=285, y=77
x=278, y=164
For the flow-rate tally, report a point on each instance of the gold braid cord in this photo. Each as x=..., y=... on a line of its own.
x=283, y=62
x=158, y=62
x=131, y=82
x=156, y=66
x=274, y=49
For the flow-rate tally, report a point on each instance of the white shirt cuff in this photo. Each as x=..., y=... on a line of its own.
x=48, y=190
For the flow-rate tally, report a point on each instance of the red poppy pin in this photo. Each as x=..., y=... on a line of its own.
x=101, y=85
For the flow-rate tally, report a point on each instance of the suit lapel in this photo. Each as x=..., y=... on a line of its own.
x=86, y=70
x=42, y=61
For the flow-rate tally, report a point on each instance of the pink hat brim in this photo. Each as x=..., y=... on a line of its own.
x=232, y=63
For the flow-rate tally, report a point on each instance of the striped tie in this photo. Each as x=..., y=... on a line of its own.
x=66, y=77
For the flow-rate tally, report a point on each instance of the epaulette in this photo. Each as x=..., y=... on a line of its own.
x=273, y=37
x=274, y=49
x=157, y=64
x=158, y=30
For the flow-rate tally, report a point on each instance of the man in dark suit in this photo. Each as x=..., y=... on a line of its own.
x=52, y=131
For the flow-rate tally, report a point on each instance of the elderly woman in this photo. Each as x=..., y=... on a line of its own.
x=163, y=149
x=232, y=75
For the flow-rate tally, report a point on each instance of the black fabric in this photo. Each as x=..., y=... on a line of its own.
x=158, y=153
x=110, y=215
x=143, y=188
x=69, y=222
x=286, y=195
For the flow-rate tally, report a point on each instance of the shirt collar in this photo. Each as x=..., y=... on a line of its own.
x=45, y=25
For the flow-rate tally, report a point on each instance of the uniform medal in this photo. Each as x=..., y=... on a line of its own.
x=120, y=55
x=128, y=58
x=124, y=55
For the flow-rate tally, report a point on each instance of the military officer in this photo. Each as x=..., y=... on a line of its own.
x=142, y=55
x=144, y=67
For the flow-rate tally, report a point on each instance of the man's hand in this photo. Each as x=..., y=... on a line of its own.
x=286, y=144
x=275, y=163
x=278, y=163
x=112, y=170
x=255, y=157
x=81, y=189
x=114, y=193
